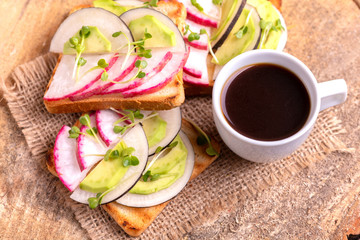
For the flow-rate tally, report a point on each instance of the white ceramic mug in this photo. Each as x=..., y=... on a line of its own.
x=322, y=96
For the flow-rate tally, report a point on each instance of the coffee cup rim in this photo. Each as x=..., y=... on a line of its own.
x=227, y=72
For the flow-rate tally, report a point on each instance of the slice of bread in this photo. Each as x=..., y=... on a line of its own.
x=134, y=221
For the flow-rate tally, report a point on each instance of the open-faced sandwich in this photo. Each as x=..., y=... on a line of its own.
x=125, y=64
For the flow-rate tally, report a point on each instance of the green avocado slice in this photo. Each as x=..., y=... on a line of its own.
x=170, y=168
x=155, y=130
x=111, y=6
x=107, y=174
x=95, y=43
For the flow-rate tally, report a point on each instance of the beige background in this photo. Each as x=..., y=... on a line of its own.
x=321, y=202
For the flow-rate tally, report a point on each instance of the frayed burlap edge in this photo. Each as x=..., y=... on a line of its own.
x=327, y=128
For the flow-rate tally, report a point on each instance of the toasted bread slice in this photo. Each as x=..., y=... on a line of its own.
x=134, y=221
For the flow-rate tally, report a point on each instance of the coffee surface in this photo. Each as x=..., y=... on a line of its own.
x=265, y=102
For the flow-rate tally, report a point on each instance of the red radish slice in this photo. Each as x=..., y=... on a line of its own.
x=162, y=78
x=196, y=64
x=134, y=138
x=209, y=8
x=138, y=200
x=115, y=74
x=104, y=123
x=201, y=19
x=203, y=81
x=156, y=64
x=88, y=146
x=65, y=161
x=136, y=13
x=107, y=23
x=202, y=43
x=64, y=86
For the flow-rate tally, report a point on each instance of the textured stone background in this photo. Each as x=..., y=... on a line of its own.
x=321, y=202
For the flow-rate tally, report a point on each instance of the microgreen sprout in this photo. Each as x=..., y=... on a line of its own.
x=267, y=27
x=79, y=46
x=203, y=139
x=150, y=177
x=243, y=30
x=74, y=132
x=131, y=116
x=197, y=5
x=152, y=3
x=196, y=36
x=101, y=64
x=217, y=2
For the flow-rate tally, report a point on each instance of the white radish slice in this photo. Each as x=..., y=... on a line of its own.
x=256, y=19
x=104, y=123
x=283, y=38
x=138, y=200
x=130, y=3
x=63, y=85
x=156, y=64
x=115, y=73
x=202, y=43
x=65, y=161
x=173, y=119
x=87, y=146
x=107, y=22
x=136, y=13
x=134, y=138
x=160, y=80
x=196, y=63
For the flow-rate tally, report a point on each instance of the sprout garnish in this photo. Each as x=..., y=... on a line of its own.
x=203, y=139
x=79, y=46
x=267, y=27
x=131, y=116
x=152, y=3
x=114, y=155
x=243, y=30
x=197, y=5
x=74, y=132
x=196, y=36
x=217, y=2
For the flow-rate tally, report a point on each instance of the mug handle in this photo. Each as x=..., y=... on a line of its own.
x=332, y=93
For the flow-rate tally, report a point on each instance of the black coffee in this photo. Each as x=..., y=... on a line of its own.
x=265, y=102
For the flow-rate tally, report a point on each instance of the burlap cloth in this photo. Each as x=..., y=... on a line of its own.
x=226, y=183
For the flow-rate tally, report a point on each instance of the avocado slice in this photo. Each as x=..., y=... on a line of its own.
x=155, y=130
x=162, y=36
x=111, y=6
x=106, y=175
x=170, y=167
x=95, y=43
x=234, y=46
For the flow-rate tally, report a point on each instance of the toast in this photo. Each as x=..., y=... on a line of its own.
x=134, y=221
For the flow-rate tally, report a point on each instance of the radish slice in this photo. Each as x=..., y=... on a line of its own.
x=104, y=123
x=203, y=81
x=63, y=85
x=88, y=146
x=65, y=161
x=130, y=3
x=173, y=119
x=134, y=138
x=138, y=200
x=107, y=22
x=196, y=65
x=202, y=43
x=106, y=118
x=201, y=19
x=156, y=64
x=283, y=38
x=136, y=13
x=162, y=78
x=115, y=74
x=209, y=8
